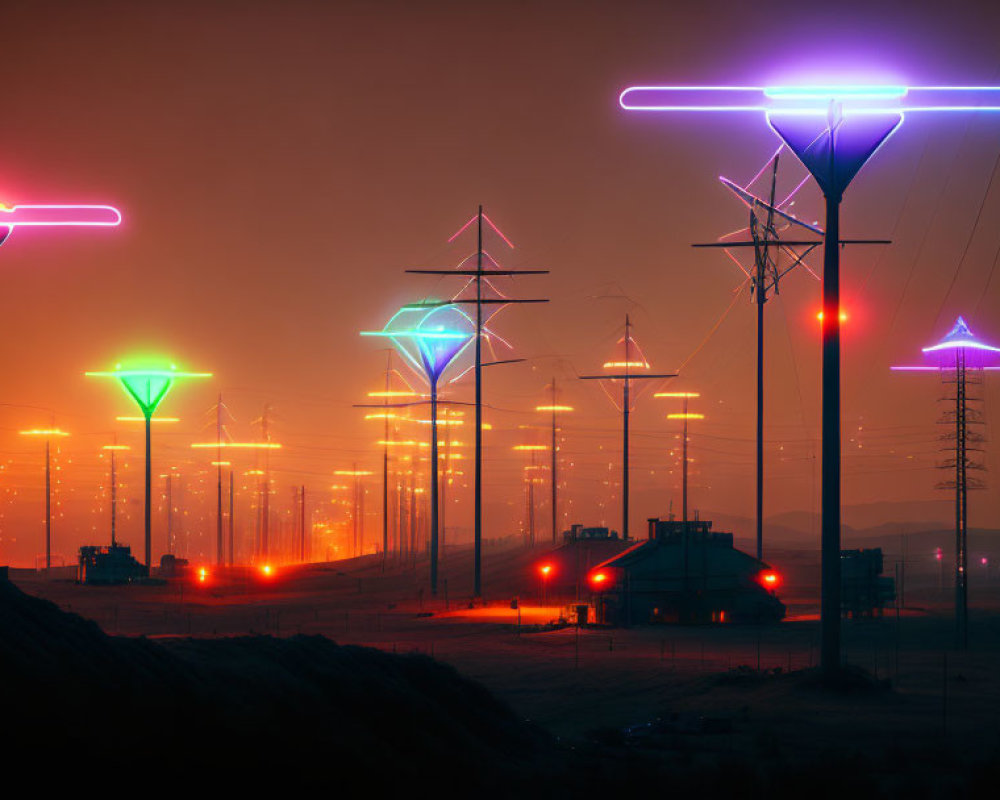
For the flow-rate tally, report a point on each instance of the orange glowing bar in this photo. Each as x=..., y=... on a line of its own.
x=554, y=408
x=241, y=445
x=689, y=415
x=397, y=393
x=381, y=415
x=44, y=432
x=221, y=463
x=677, y=394
x=626, y=365
x=530, y=447
x=356, y=473
x=116, y=447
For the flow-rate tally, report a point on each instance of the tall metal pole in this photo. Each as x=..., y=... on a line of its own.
x=385, y=466
x=48, y=508
x=434, y=487
x=114, y=499
x=625, y=412
x=684, y=470
x=149, y=482
x=265, y=520
x=477, y=589
x=552, y=469
x=302, y=511
x=961, y=506
x=830, y=465
x=761, y=298
x=218, y=521
x=170, y=515
x=232, y=520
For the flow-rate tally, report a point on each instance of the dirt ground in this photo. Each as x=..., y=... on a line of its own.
x=688, y=694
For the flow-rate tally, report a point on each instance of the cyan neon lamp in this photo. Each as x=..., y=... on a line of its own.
x=833, y=130
x=147, y=385
x=430, y=341
x=957, y=353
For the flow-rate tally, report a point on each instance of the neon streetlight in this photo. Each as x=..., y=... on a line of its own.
x=833, y=130
x=958, y=353
x=48, y=434
x=430, y=346
x=685, y=416
x=554, y=408
x=147, y=386
x=358, y=516
x=112, y=449
x=624, y=371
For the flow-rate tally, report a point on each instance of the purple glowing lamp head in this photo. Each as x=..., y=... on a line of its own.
x=832, y=129
x=959, y=342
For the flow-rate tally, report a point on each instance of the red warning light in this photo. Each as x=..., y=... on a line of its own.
x=938, y=554
x=843, y=316
x=202, y=575
x=545, y=569
x=599, y=578
x=266, y=570
x=769, y=580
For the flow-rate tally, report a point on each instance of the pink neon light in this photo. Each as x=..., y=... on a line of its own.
x=499, y=233
x=489, y=222
x=462, y=229
x=59, y=215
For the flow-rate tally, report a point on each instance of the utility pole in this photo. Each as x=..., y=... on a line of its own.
x=961, y=360
x=302, y=511
x=482, y=270
x=47, y=433
x=232, y=519
x=626, y=377
x=113, y=449
x=554, y=407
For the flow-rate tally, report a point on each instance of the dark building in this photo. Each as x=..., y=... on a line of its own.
x=864, y=591
x=684, y=572
x=114, y=564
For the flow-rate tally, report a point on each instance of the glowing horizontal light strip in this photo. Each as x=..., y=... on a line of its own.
x=45, y=216
x=439, y=422
x=530, y=447
x=381, y=415
x=553, y=408
x=392, y=394
x=778, y=98
x=254, y=472
x=44, y=432
x=355, y=473
x=419, y=334
x=147, y=373
x=398, y=443
x=686, y=416
x=830, y=92
x=116, y=447
x=625, y=365
x=221, y=463
x=143, y=419
x=239, y=445
x=677, y=394
x=960, y=344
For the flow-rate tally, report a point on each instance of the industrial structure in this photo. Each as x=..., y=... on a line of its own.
x=100, y=564
x=684, y=573
x=864, y=590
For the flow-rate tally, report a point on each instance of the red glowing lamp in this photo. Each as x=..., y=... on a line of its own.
x=545, y=570
x=843, y=315
x=599, y=579
x=769, y=579
x=266, y=570
x=202, y=575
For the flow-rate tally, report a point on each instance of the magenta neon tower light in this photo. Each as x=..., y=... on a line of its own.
x=961, y=359
x=833, y=130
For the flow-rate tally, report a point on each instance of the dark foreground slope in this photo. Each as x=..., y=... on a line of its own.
x=256, y=710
